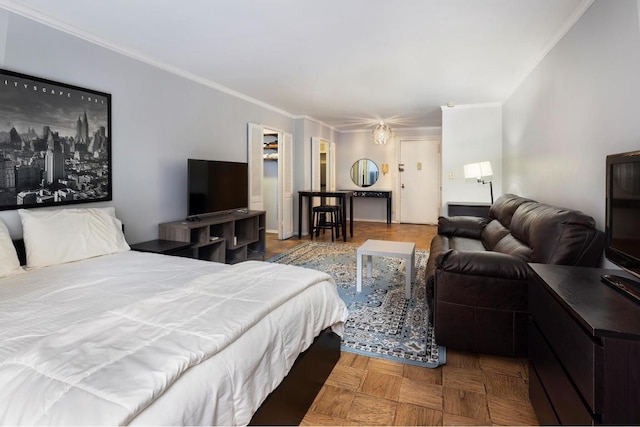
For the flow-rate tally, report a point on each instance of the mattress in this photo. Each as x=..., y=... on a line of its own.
x=140, y=338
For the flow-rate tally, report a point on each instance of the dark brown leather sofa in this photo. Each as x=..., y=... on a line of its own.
x=477, y=274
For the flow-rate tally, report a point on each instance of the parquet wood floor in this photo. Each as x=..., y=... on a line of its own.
x=470, y=389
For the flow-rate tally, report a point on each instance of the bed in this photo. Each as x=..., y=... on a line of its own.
x=126, y=337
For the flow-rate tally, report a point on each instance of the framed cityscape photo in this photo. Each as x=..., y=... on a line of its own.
x=55, y=143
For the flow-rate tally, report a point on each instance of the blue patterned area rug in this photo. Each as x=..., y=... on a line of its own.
x=382, y=322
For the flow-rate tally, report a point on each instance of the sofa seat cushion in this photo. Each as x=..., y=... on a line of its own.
x=466, y=244
x=511, y=246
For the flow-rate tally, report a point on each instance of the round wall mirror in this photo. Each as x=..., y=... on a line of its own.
x=364, y=172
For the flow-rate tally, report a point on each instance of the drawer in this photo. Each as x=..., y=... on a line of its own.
x=540, y=401
x=574, y=348
x=555, y=384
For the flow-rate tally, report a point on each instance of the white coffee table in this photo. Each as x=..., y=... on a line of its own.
x=391, y=249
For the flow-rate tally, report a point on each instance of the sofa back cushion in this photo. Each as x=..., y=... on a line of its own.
x=493, y=233
x=497, y=238
x=505, y=206
x=557, y=235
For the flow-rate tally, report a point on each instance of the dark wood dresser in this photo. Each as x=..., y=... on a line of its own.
x=584, y=348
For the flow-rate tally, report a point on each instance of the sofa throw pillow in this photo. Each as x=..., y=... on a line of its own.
x=59, y=236
x=9, y=263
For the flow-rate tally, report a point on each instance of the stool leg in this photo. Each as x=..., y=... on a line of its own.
x=333, y=221
x=323, y=221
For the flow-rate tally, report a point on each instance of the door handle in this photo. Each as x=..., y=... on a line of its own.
x=402, y=185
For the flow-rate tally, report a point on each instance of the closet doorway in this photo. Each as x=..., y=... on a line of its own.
x=323, y=165
x=271, y=177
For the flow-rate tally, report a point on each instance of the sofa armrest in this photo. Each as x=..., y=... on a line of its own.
x=488, y=264
x=462, y=226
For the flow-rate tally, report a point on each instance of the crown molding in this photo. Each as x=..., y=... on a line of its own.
x=395, y=130
x=468, y=106
x=49, y=21
x=564, y=29
x=320, y=122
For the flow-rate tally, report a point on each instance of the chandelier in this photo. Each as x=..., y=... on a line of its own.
x=381, y=133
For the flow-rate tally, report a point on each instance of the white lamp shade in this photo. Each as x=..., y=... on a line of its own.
x=472, y=170
x=485, y=169
x=478, y=170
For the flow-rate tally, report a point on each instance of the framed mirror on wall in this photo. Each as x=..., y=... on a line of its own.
x=364, y=172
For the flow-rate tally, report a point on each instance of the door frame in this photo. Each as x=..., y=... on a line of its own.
x=284, y=231
x=330, y=147
x=398, y=185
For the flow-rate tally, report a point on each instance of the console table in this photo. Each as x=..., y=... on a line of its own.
x=584, y=348
x=376, y=194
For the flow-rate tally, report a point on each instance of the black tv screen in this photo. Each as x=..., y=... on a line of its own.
x=216, y=186
x=623, y=211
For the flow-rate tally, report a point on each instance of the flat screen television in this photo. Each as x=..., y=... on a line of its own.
x=622, y=226
x=216, y=186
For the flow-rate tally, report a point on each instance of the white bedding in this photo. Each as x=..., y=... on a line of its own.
x=150, y=339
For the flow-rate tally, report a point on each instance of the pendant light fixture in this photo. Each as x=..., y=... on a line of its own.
x=381, y=133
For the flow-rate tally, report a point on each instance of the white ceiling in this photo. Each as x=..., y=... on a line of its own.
x=346, y=63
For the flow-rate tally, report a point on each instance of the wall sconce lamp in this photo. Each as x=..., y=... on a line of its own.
x=385, y=168
x=479, y=171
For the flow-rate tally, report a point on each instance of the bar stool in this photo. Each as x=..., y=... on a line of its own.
x=320, y=222
x=339, y=219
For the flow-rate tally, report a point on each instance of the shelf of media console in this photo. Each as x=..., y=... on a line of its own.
x=230, y=237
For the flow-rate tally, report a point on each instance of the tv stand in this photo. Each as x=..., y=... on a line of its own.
x=230, y=237
x=625, y=285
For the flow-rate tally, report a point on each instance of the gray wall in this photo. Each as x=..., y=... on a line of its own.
x=159, y=119
x=577, y=106
x=471, y=134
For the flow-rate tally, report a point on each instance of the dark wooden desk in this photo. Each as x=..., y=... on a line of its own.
x=342, y=195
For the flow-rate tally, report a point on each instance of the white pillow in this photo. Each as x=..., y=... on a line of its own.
x=9, y=263
x=64, y=235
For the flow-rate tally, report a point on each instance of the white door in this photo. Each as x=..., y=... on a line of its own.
x=285, y=186
x=419, y=170
x=255, y=138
